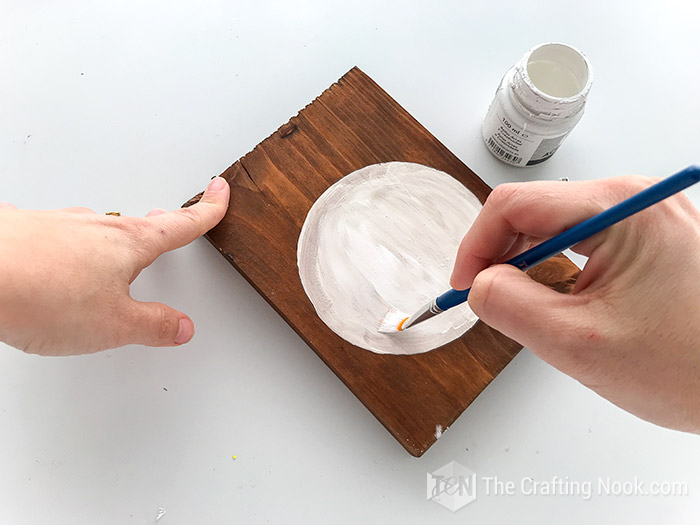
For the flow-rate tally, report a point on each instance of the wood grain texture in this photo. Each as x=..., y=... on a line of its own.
x=352, y=124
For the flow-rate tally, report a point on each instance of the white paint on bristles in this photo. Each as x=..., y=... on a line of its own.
x=384, y=237
x=390, y=323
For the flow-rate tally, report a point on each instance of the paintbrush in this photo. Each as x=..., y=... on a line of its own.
x=397, y=321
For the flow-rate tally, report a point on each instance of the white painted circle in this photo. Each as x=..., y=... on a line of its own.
x=386, y=235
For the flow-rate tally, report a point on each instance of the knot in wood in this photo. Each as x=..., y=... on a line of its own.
x=287, y=129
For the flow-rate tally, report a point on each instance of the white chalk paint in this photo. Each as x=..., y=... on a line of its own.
x=391, y=321
x=539, y=101
x=386, y=235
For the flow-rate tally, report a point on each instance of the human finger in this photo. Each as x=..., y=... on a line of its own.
x=156, y=324
x=531, y=313
x=177, y=228
x=78, y=209
x=538, y=210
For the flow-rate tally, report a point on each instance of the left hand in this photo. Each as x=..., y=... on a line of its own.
x=66, y=275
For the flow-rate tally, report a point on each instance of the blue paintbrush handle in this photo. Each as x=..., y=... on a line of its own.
x=588, y=228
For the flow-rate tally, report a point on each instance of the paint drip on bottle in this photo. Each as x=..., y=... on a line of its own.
x=537, y=104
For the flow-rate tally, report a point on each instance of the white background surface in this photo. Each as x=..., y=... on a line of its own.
x=131, y=105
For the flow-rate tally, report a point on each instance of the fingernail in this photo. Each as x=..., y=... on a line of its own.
x=155, y=211
x=185, y=331
x=217, y=184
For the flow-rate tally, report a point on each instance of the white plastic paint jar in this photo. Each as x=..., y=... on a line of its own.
x=537, y=104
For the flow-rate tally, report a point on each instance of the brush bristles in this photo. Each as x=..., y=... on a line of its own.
x=392, y=321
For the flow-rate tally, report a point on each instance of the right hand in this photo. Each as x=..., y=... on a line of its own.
x=630, y=330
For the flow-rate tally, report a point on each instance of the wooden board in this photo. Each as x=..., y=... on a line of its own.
x=352, y=124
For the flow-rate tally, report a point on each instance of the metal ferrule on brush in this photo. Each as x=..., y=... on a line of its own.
x=427, y=312
x=440, y=304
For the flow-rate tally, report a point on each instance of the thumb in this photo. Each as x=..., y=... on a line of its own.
x=534, y=315
x=156, y=324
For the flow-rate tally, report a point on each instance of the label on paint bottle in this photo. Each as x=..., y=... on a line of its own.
x=546, y=149
x=515, y=145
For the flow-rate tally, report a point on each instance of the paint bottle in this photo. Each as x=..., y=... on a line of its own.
x=537, y=104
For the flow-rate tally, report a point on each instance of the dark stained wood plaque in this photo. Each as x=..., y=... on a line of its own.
x=352, y=124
